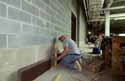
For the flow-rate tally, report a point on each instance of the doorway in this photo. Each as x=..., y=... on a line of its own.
x=73, y=27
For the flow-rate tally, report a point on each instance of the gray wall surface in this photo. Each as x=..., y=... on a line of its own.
x=27, y=28
x=24, y=23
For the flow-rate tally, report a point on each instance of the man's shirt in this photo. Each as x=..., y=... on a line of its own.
x=71, y=45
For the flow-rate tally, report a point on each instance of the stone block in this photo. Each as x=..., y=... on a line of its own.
x=3, y=10
x=7, y=26
x=18, y=15
x=15, y=3
x=3, y=42
x=27, y=28
x=30, y=8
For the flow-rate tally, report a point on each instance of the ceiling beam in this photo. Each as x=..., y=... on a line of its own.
x=96, y=20
x=110, y=3
x=114, y=8
x=85, y=6
x=106, y=9
x=118, y=1
x=114, y=16
x=117, y=15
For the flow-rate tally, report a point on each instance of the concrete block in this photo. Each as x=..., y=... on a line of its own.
x=40, y=4
x=3, y=41
x=36, y=29
x=25, y=56
x=44, y=15
x=18, y=15
x=20, y=41
x=7, y=26
x=46, y=1
x=30, y=8
x=15, y=3
x=27, y=40
x=8, y=64
x=14, y=41
x=27, y=28
x=29, y=0
x=37, y=22
x=8, y=59
x=3, y=10
x=45, y=31
x=50, y=11
x=61, y=1
x=54, y=6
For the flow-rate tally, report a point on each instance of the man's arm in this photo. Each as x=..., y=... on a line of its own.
x=64, y=53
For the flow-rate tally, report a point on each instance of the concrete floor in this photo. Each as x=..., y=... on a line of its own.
x=66, y=75
x=73, y=75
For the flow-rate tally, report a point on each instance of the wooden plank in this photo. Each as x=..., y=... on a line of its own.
x=115, y=56
x=31, y=72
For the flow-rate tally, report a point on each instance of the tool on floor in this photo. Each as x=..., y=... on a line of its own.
x=58, y=77
x=54, y=53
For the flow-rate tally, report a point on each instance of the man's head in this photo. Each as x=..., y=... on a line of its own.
x=62, y=38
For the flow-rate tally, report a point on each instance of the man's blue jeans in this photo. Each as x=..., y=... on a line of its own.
x=69, y=60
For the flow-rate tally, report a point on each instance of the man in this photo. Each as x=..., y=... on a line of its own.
x=70, y=53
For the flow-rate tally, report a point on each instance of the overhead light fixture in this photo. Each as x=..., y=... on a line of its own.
x=123, y=34
x=114, y=8
x=121, y=18
x=89, y=32
x=117, y=15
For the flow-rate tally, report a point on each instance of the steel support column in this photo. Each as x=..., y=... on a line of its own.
x=107, y=23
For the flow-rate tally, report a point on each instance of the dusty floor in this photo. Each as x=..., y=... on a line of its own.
x=104, y=75
x=73, y=75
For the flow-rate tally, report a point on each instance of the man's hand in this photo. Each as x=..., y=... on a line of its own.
x=63, y=54
x=58, y=58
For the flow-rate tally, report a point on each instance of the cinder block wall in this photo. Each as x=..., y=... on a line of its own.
x=27, y=28
x=24, y=23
